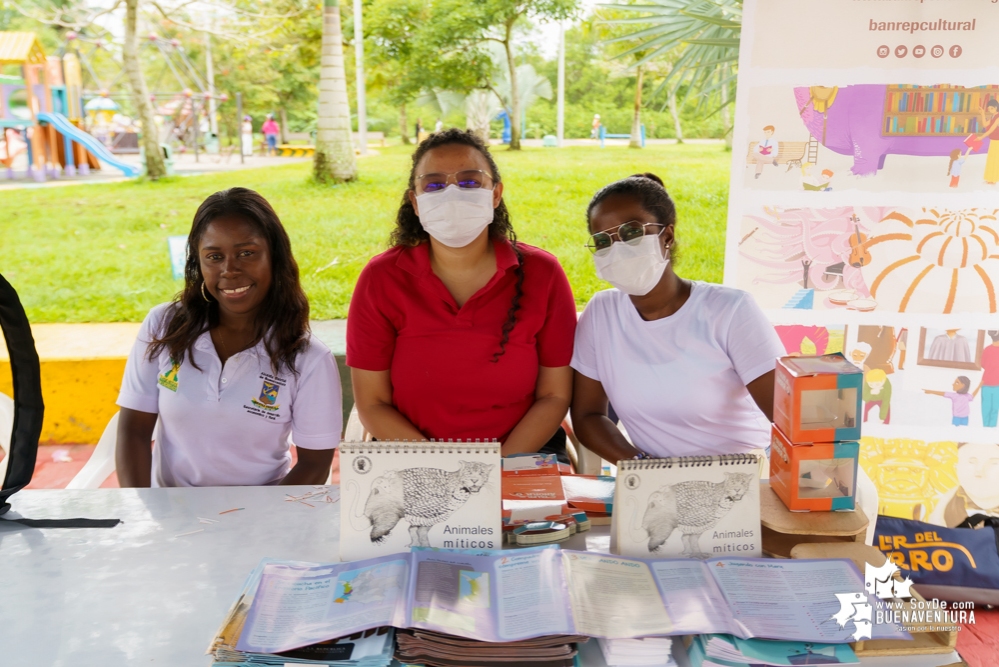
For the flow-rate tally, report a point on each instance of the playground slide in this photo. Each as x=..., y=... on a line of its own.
x=62, y=124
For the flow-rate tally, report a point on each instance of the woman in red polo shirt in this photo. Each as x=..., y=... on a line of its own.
x=458, y=331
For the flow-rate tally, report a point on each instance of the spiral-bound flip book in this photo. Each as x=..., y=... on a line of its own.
x=688, y=507
x=394, y=495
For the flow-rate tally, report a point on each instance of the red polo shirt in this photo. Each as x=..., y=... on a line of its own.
x=403, y=319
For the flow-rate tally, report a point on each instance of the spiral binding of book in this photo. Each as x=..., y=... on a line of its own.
x=688, y=462
x=688, y=507
x=419, y=447
x=399, y=494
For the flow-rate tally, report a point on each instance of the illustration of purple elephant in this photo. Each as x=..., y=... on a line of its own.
x=852, y=125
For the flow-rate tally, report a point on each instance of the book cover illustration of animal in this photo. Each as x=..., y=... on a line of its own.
x=688, y=507
x=397, y=495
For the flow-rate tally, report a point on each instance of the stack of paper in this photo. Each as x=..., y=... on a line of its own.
x=434, y=649
x=647, y=652
x=591, y=494
x=371, y=648
x=730, y=651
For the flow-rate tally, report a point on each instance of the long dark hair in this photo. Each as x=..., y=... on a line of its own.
x=409, y=232
x=283, y=319
x=651, y=193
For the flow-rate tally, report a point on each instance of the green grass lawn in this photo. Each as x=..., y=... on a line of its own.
x=98, y=253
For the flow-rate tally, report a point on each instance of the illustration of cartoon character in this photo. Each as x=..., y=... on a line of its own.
x=977, y=491
x=766, y=150
x=877, y=393
x=882, y=346
x=859, y=354
x=989, y=386
x=956, y=165
x=950, y=346
x=990, y=119
x=812, y=248
x=960, y=400
x=816, y=181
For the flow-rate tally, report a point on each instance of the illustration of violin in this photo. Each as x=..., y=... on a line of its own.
x=859, y=255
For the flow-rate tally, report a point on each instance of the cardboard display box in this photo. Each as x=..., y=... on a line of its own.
x=817, y=399
x=818, y=477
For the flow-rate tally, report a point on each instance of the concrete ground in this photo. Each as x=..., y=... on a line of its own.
x=185, y=164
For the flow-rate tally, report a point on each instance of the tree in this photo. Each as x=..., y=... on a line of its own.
x=706, y=32
x=155, y=164
x=462, y=28
x=391, y=39
x=334, y=158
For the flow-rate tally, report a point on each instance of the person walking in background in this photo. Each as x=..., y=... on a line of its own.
x=439, y=125
x=595, y=127
x=989, y=386
x=419, y=129
x=246, y=136
x=271, y=131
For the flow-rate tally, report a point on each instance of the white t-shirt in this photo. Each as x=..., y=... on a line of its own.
x=230, y=426
x=678, y=384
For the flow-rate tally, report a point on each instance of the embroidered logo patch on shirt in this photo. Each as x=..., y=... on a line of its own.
x=268, y=396
x=168, y=378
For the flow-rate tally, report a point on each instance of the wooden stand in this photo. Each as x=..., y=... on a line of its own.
x=783, y=529
x=932, y=638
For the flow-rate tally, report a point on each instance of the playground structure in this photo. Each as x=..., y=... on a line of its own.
x=41, y=113
x=183, y=97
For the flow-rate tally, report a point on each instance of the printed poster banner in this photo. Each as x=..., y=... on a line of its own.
x=864, y=218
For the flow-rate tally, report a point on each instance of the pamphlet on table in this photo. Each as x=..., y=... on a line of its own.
x=516, y=595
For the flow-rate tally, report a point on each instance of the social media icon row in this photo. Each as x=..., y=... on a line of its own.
x=918, y=51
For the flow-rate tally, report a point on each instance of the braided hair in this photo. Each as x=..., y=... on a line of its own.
x=650, y=192
x=409, y=232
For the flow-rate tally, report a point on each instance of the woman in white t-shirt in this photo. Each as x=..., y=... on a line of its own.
x=230, y=369
x=688, y=366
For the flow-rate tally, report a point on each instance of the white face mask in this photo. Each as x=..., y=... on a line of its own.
x=633, y=269
x=455, y=216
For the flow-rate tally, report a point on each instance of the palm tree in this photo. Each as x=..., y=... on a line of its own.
x=334, y=160
x=155, y=166
x=705, y=32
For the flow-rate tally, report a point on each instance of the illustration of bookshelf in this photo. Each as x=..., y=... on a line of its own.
x=935, y=111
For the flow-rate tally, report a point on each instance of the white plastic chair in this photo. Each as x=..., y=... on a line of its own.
x=101, y=463
x=867, y=500
x=6, y=428
x=585, y=461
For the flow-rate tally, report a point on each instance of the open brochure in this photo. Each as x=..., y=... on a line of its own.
x=513, y=595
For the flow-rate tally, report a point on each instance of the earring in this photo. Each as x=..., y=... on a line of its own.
x=204, y=295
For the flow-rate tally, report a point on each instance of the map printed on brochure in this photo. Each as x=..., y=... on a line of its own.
x=515, y=595
x=688, y=507
x=397, y=495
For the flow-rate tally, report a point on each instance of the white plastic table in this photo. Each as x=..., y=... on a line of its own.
x=143, y=593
